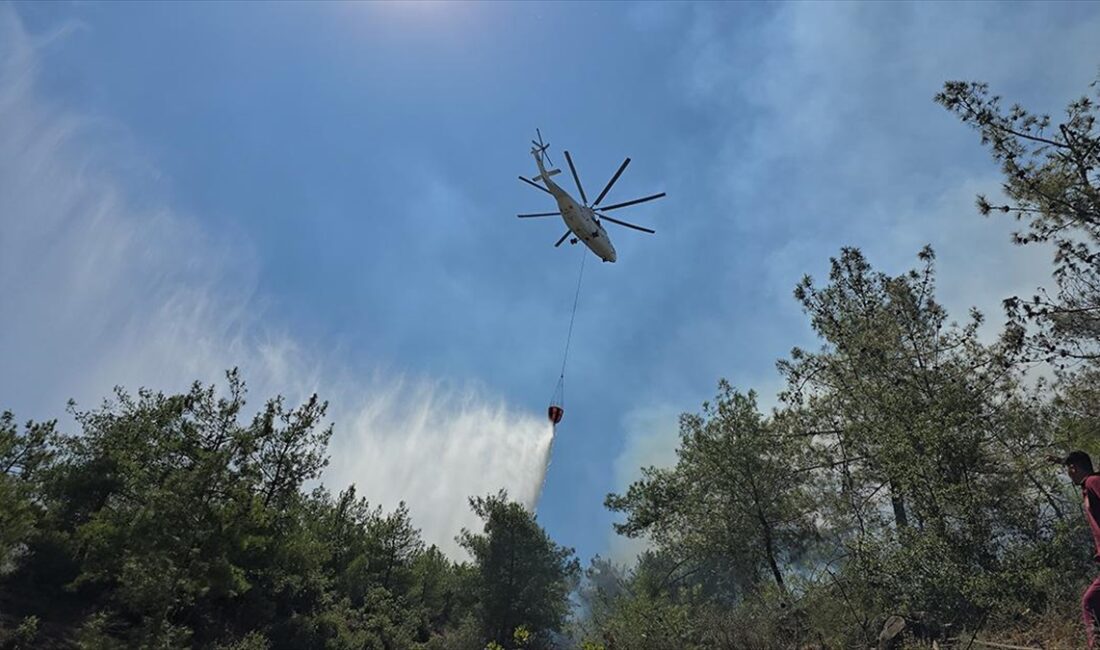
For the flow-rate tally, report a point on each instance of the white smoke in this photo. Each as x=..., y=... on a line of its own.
x=102, y=286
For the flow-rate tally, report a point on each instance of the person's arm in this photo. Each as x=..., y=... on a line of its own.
x=1092, y=487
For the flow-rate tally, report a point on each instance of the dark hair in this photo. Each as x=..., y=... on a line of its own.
x=1078, y=459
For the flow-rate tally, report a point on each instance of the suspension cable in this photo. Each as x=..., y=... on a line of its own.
x=569, y=337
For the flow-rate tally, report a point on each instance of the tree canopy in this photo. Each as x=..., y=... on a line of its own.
x=170, y=522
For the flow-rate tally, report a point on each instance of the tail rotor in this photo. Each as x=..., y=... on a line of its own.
x=541, y=147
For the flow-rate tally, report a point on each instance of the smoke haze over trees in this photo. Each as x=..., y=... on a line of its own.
x=904, y=471
x=901, y=473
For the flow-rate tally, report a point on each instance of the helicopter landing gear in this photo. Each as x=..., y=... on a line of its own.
x=573, y=241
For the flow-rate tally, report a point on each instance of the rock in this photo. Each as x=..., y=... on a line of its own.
x=892, y=630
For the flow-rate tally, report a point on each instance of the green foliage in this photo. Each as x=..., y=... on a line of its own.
x=465, y=635
x=521, y=636
x=902, y=473
x=523, y=578
x=736, y=502
x=24, y=458
x=24, y=637
x=250, y=641
x=1052, y=181
x=918, y=418
x=168, y=522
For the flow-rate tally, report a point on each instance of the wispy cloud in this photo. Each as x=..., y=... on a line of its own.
x=101, y=285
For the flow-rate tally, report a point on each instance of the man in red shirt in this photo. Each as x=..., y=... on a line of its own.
x=1079, y=468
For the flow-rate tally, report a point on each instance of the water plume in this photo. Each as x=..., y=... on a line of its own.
x=435, y=446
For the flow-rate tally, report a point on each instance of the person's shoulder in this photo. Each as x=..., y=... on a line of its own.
x=1092, y=483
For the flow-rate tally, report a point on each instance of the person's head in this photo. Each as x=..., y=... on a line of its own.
x=1078, y=466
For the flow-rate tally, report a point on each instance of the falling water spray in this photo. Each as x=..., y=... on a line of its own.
x=434, y=446
x=545, y=465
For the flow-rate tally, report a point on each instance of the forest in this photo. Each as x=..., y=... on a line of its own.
x=903, y=476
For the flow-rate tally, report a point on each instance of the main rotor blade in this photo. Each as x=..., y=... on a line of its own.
x=538, y=214
x=567, y=233
x=611, y=182
x=634, y=202
x=576, y=178
x=604, y=217
x=532, y=184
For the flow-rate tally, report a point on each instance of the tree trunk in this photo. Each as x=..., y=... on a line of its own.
x=897, y=500
x=766, y=532
x=769, y=547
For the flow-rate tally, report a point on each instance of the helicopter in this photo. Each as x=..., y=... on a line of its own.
x=582, y=219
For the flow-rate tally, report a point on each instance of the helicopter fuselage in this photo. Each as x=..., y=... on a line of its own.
x=581, y=220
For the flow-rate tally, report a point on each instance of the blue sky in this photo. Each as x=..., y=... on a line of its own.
x=324, y=195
